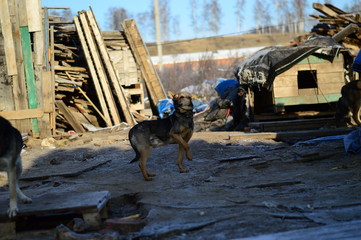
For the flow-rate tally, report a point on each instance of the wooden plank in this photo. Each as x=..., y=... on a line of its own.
x=60, y=203
x=344, y=230
x=33, y=10
x=48, y=93
x=29, y=73
x=23, y=20
x=52, y=116
x=69, y=116
x=75, y=69
x=110, y=69
x=91, y=103
x=7, y=33
x=151, y=78
x=100, y=69
x=93, y=73
x=287, y=125
x=23, y=114
x=278, y=135
x=19, y=82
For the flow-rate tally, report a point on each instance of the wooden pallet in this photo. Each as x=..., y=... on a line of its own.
x=136, y=90
x=91, y=205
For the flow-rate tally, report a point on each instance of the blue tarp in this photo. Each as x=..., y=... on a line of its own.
x=352, y=142
x=224, y=84
x=166, y=108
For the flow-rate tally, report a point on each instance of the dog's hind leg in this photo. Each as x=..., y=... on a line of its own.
x=20, y=194
x=144, y=153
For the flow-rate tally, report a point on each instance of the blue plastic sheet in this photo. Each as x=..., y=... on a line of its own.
x=224, y=84
x=352, y=142
x=165, y=107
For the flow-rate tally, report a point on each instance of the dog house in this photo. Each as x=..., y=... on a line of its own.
x=310, y=74
x=311, y=81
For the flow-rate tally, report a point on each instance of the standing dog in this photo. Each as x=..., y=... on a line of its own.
x=11, y=144
x=175, y=129
x=350, y=101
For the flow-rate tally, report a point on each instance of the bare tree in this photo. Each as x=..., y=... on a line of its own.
x=143, y=22
x=257, y=8
x=262, y=16
x=176, y=27
x=65, y=15
x=299, y=7
x=194, y=17
x=212, y=15
x=115, y=17
x=285, y=15
x=238, y=13
x=165, y=18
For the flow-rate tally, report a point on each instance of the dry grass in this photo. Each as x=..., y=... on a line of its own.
x=219, y=43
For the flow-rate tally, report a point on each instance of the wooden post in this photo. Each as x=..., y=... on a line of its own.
x=142, y=57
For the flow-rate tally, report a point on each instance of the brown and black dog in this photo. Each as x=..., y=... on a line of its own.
x=175, y=129
x=349, y=102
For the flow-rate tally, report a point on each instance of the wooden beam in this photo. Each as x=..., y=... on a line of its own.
x=278, y=135
x=142, y=57
x=22, y=114
x=351, y=28
x=110, y=69
x=93, y=73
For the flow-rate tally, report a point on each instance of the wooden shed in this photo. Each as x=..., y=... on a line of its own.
x=311, y=81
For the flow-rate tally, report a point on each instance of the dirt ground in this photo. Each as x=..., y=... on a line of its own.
x=234, y=189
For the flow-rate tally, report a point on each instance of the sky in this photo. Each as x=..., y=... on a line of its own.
x=180, y=9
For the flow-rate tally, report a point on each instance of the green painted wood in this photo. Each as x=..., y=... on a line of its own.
x=313, y=60
x=29, y=73
x=313, y=99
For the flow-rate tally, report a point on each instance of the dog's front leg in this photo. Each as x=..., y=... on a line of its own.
x=180, y=159
x=13, y=206
x=184, y=144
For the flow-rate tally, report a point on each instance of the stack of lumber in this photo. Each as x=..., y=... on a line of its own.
x=107, y=86
x=334, y=20
x=87, y=90
x=72, y=81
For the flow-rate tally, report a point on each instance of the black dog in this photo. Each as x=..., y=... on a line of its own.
x=349, y=102
x=175, y=129
x=11, y=144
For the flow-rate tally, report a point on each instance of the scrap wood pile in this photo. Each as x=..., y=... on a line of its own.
x=334, y=20
x=85, y=78
x=90, y=87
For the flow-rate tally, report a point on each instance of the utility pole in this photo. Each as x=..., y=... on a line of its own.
x=157, y=33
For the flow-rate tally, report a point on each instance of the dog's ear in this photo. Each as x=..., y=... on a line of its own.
x=171, y=94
